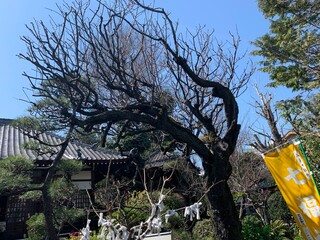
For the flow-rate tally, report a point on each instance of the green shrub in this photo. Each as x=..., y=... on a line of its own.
x=278, y=209
x=175, y=222
x=181, y=235
x=174, y=201
x=278, y=229
x=36, y=227
x=67, y=215
x=136, y=210
x=204, y=230
x=296, y=233
x=253, y=229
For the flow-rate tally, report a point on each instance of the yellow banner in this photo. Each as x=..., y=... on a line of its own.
x=290, y=172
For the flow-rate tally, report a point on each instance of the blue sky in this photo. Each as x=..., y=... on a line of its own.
x=222, y=16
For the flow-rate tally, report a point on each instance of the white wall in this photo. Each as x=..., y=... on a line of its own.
x=83, y=180
x=162, y=236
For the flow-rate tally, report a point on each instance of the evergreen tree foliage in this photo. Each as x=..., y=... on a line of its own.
x=15, y=174
x=291, y=50
x=16, y=177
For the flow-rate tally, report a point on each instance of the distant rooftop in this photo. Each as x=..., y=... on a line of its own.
x=158, y=159
x=13, y=140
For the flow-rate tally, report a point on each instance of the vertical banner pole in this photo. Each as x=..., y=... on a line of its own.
x=308, y=164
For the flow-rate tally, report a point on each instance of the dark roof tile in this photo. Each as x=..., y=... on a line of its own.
x=5, y=121
x=12, y=141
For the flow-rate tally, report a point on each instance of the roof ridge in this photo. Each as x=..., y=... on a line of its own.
x=5, y=121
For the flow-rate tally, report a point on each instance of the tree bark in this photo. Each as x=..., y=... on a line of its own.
x=48, y=214
x=47, y=200
x=224, y=213
x=225, y=220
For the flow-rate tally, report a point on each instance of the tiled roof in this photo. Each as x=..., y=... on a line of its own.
x=158, y=159
x=13, y=140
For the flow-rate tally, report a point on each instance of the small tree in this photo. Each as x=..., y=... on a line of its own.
x=17, y=178
x=278, y=215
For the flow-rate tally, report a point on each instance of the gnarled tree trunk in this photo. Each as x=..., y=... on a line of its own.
x=224, y=214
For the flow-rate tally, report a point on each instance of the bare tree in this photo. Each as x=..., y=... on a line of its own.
x=250, y=179
x=126, y=62
x=269, y=114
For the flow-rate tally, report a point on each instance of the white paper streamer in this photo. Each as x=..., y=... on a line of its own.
x=193, y=211
x=86, y=231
